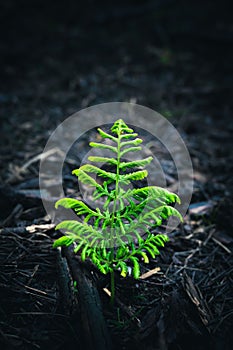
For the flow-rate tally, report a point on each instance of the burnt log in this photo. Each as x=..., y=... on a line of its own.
x=94, y=329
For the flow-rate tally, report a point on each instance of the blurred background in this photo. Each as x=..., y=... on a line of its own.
x=60, y=56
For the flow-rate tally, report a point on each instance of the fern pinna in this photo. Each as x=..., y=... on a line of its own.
x=118, y=235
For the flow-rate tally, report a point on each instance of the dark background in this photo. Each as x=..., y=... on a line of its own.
x=61, y=40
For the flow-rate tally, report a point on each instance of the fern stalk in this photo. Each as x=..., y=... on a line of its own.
x=115, y=198
x=112, y=285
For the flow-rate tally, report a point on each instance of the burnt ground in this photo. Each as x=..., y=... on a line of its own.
x=171, y=56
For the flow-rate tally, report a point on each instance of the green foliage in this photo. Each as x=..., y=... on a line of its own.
x=118, y=236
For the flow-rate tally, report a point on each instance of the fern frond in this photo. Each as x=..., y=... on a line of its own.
x=103, y=160
x=154, y=217
x=128, y=136
x=131, y=142
x=84, y=251
x=137, y=175
x=135, y=163
x=79, y=229
x=150, y=200
x=122, y=251
x=79, y=207
x=160, y=239
x=64, y=240
x=151, y=244
x=79, y=246
x=152, y=193
x=86, y=179
x=123, y=267
x=150, y=251
x=119, y=127
x=136, y=267
x=130, y=149
x=103, y=191
x=97, y=260
x=105, y=135
x=170, y=211
x=145, y=257
x=126, y=178
x=103, y=146
x=100, y=172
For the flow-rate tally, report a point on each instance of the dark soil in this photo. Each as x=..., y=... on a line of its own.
x=172, y=56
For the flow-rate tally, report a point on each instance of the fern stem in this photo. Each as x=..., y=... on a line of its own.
x=116, y=189
x=118, y=169
x=113, y=214
x=112, y=286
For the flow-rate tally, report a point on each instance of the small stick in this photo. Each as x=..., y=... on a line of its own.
x=221, y=245
x=150, y=273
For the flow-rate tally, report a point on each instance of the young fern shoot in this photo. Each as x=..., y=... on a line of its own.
x=116, y=236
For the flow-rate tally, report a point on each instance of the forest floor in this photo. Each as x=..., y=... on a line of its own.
x=53, y=67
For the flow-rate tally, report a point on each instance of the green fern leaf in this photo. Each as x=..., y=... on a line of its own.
x=103, y=191
x=105, y=135
x=160, y=239
x=84, y=251
x=122, y=251
x=153, y=247
x=103, y=268
x=100, y=172
x=78, y=228
x=170, y=211
x=135, y=163
x=124, y=268
x=119, y=127
x=137, y=175
x=136, y=267
x=145, y=257
x=152, y=193
x=64, y=240
x=103, y=160
x=86, y=179
x=67, y=203
x=79, y=246
x=128, y=136
x=130, y=149
x=154, y=217
x=150, y=251
x=103, y=253
x=98, y=261
x=131, y=142
x=103, y=146
x=79, y=207
x=138, y=237
x=94, y=241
